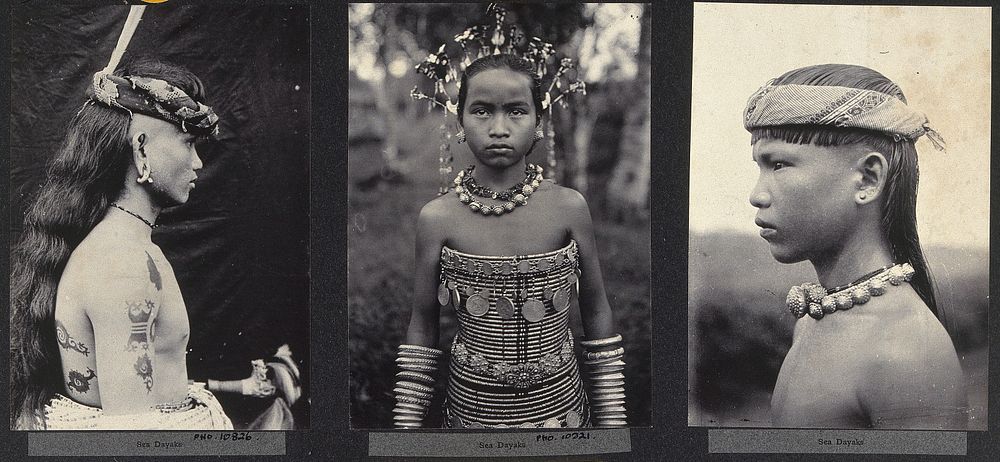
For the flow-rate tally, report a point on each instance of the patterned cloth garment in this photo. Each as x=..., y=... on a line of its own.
x=199, y=411
x=512, y=361
x=776, y=105
x=155, y=98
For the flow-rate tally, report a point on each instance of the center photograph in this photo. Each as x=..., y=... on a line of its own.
x=498, y=215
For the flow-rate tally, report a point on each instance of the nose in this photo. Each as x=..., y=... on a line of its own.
x=498, y=127
x=759, y=197
x=197, y=165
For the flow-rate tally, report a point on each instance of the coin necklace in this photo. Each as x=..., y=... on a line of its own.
x=505, y=307
x=478, y=303
x=514, y=196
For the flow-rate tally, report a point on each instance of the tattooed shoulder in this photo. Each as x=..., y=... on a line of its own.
x=141, y=315
x=79, y=382
x=67, y=342
x=154, y=274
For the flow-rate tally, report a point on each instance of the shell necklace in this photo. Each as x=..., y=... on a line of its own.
x=811, y=298
x=517, y=195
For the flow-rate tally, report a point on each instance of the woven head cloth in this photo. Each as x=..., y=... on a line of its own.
x=155, y=98
x=835, y=106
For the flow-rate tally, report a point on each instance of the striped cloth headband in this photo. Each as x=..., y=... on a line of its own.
x=155, y=98
x=839, y=107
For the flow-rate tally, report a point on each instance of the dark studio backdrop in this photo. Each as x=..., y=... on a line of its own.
x=240, y=246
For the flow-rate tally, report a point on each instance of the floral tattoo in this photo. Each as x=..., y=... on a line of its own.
x=144, y=368
x=67, y=342
x=80, y=383
x=140, y=314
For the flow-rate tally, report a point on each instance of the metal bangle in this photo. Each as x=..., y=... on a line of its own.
x=613, y=340
x=421, y=348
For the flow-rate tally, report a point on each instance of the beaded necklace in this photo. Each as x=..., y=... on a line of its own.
x=812, y=299
x=517, y=195
x=123, y=209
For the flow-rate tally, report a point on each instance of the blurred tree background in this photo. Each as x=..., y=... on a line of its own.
x=739, y=329
x=602, y=150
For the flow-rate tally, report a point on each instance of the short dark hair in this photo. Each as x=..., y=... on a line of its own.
x=501, y=61
x=899, y=202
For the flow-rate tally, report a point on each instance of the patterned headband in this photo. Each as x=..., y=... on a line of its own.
x=155, y=98
x=839, y=107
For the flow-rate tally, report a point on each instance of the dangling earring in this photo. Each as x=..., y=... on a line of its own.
x=460, y=136
x=145, y=175
x=539, y=134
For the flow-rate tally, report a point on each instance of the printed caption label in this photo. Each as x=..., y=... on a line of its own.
x=184, y=443
x=499, y=444
x=836, y=441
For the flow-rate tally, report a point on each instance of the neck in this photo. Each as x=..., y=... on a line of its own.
x=862, y=253
x=139, y=203
x=498, y=178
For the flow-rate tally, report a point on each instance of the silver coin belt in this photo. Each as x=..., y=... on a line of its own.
x=510, y=266
x=517, y=375
x=484, y=280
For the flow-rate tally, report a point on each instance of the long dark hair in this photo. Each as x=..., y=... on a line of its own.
x=85, y=176
x=899, y=201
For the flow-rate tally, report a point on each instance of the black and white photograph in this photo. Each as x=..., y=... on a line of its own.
x=159, y=233
x=839, y=217
x=498, y=215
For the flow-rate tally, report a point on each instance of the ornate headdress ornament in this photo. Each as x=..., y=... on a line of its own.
x=839, y=107
x=149, y=96
x=491, y=39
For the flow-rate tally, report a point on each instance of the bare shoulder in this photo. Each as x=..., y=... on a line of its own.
x=101, y=271
x=912, y=343
x=437, y=213
x=436, y=219
x=567, y=200
x=563, y=195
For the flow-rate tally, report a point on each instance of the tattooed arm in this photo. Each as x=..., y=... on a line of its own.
x=123, y=308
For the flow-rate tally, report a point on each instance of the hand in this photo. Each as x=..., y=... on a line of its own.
x=252, y=386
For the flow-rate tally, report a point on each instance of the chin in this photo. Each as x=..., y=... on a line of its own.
x=785, y=256
x=167, y=201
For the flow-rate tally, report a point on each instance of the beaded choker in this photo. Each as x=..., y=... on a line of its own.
x=123, y=209
x=811, y=298
x=517, y=195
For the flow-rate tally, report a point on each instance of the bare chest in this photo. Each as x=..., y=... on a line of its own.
x=529, y=229
x=171, y=327
x=818, y=383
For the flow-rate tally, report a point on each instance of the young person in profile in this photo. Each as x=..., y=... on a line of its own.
x=835, y=146
x=99, y=328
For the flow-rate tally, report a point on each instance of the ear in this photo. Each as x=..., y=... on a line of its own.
x=872, y=170
x=138, y=150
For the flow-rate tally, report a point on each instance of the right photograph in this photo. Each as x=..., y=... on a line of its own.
x=839, y=217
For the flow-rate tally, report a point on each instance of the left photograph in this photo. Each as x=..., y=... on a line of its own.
x=159, y=239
